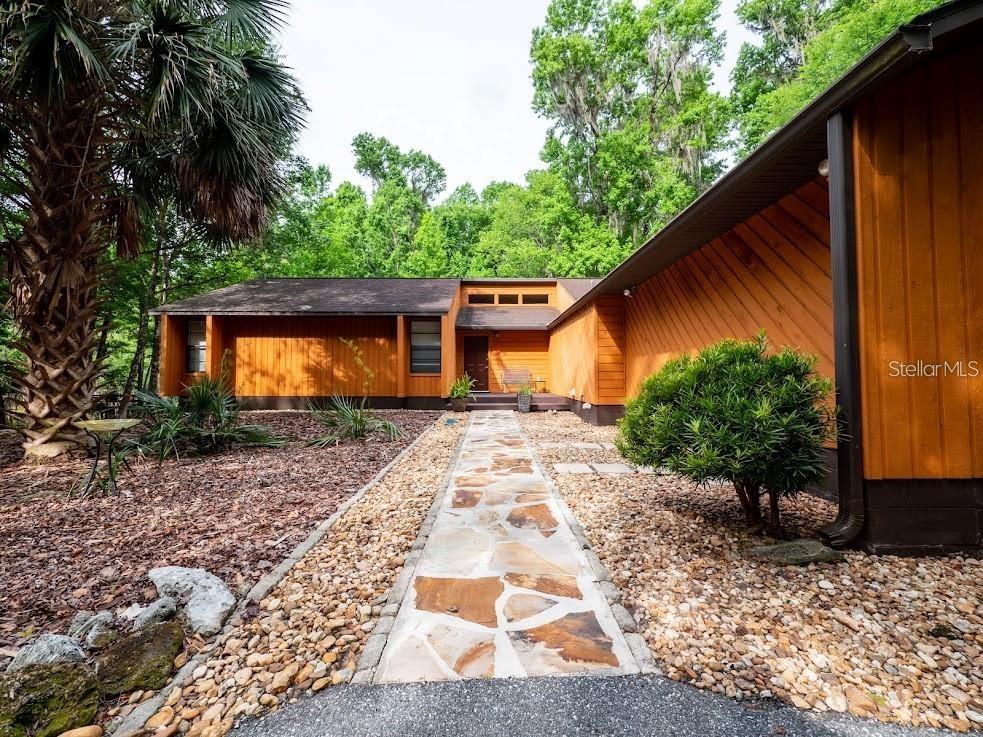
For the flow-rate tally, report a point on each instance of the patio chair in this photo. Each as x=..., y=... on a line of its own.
x=513, y=378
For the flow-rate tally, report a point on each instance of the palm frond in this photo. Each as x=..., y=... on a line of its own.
x=54, y=50
x=253, y=20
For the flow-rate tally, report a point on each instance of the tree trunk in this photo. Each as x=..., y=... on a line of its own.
x=103, y=348
x=54, y=273
x=775, y=520
x=164, y=279
x=149, y=293
x=750, y=498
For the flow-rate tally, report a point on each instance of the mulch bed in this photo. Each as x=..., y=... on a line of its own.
x=236, y=514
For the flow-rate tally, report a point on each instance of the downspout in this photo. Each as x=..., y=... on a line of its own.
x=843, y=255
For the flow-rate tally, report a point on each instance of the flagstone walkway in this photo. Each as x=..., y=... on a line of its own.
x=503, y=588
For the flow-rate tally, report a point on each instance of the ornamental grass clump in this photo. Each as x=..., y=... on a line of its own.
x=735, y=413
x=205, y=422
x=347, y=419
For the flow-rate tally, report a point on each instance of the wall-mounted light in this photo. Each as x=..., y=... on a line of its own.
x=629, y=292
x=824, y=168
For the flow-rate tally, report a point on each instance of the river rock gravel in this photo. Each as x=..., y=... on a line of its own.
x=893, y=639
x=307, y=634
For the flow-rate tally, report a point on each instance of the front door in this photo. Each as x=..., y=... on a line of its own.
x=476, y=360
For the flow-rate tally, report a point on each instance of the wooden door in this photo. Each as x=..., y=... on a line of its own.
x=476, y=360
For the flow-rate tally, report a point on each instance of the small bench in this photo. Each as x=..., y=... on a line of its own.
x=516, y=377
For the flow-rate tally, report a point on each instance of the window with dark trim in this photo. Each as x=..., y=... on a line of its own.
x=425, y=346
x=508, y=299
x=195, y=348
x=481, y=299
x=535, y=299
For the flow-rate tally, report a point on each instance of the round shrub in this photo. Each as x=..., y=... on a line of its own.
x=735, y=413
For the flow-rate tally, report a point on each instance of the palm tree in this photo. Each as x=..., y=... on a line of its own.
x=107, y=108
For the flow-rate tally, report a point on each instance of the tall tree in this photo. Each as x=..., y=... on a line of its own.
x=105, y=109
x=537, y=230
x=383, y=162
x=805, y=45
x=637, y=133
x=783, y=28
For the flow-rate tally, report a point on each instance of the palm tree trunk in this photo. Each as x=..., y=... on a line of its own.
x=54, y=270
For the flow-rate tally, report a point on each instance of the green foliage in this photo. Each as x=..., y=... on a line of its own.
x=636, y=131
x=383, y=162
x=525, y=389
x=784, y=27
x=815, y=43
x=11, y=364
x=462, y=387
x=347, y=420
x=734, y=412
x=205, y=422
x=537, y=230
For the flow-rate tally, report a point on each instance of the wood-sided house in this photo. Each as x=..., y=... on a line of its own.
x=854, y=233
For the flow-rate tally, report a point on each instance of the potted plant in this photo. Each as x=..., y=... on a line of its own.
x=461, y=392
x=525, y=397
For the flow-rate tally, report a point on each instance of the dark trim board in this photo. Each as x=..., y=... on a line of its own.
x=923, y=516
x=598, y=414
x=248, y=403
x=424, y=403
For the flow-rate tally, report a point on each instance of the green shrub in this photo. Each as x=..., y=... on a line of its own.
x=205, y=422
x=734, y=413
x=462, y=387
x=347, y=420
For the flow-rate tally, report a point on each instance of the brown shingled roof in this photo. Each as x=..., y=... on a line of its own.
x=322, y=297
x=506, y=318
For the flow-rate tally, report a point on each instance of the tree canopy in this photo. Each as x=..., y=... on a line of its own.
x=198, y=190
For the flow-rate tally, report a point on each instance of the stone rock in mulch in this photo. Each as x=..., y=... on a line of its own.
x=48, y=649
x=158, y=611
x=310, y=631
x=94, y=630
x=207, y=600
x=47, y=699
x=797, y=553
x=140, y=661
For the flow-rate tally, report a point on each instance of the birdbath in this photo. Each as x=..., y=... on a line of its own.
x=104, y=433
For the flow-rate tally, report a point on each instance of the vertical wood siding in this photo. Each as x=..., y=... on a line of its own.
x=919, y=190
x=573, y=355
x=771, y=271
x=303, y=357
x=512, y=349
x=610, y=349
x=448, y=353
x=173, y=337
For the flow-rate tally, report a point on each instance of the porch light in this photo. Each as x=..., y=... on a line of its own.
x=629, y=292
x=824, y=168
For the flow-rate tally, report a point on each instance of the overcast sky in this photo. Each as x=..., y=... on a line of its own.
x=448, y=78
